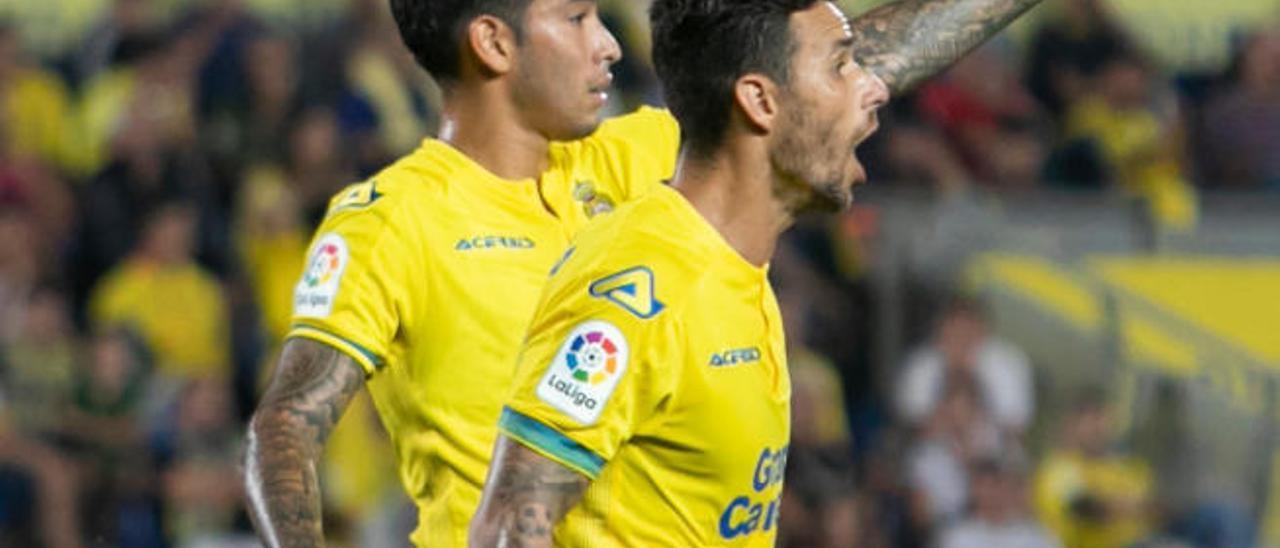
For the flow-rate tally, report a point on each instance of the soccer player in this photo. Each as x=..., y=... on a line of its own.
x=651, y=400
x=421, y=281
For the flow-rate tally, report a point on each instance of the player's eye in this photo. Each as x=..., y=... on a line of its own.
x=844, y=63
x=579, y=18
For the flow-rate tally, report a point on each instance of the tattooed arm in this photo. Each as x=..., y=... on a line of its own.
x=311, y=388
x=908, y=41
x=525, y=496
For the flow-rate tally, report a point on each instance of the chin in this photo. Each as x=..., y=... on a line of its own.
x=831, y=198
x=580, y=130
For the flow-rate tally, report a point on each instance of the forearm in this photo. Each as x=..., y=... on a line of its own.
x=908, y=41
x=281, y=482
x=312, y=387
x=525, y=496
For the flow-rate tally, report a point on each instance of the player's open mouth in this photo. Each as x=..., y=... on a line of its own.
x=860, y=172
x=861, y=175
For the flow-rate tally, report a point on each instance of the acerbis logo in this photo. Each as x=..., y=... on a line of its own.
x=735, y=357
x=632, y=289
x=495, y=242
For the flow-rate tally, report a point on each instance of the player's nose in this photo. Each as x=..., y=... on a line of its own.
x=608, y=48
x=876, y=93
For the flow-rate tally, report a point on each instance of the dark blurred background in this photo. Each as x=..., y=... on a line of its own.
x=1052, y=319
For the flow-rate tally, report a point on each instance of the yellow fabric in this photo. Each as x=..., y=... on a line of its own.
x=1190, y=37
x=274, y=264
x=102, y=110
x=179, y=311
x=1237, y=300
x=37, y=111
x=1064, y=476
x=1056, y=290
x=273, y=255
x=359, y=462
x=695, y=432
x=427, y=275
x=1133, y=142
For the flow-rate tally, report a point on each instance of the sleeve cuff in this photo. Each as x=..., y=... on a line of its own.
x=370, y=362
x=549, y=443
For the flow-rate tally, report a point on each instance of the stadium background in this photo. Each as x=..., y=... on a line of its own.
x=1098, y=188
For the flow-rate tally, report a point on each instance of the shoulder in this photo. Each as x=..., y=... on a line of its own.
x=635, y=258
x=385, y=200
x=646, y=118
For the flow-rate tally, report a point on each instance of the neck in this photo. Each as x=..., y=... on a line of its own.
x=486, y=128
x=737, y=197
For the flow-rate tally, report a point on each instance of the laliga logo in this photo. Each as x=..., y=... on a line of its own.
x=586, y=371
x=323, y=265
x=592, y=358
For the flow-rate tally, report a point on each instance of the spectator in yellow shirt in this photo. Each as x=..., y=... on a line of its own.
x=1088, y=494
x=35, y=106
x=160, y=291
x=1137, y=137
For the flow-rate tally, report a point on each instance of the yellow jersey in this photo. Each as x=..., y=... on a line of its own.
x=656, y=366
x=427, y=275
x=179, y=310
x=1064, y=477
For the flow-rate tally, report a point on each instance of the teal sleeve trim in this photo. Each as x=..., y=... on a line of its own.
x=376, y=360
x=541, y=436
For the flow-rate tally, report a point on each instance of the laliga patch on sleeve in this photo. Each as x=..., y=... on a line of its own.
x=316, y=291
x=585, y=371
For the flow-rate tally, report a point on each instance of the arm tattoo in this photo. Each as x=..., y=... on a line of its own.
x=312, y=386
x=908, y=41
x=525, y=496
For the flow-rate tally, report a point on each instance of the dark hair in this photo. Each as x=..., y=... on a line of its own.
x=433, y=29
x=702, y=47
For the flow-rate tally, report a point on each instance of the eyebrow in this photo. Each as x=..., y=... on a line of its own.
x=844, y=44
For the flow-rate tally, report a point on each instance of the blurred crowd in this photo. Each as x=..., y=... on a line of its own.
x=161, y=172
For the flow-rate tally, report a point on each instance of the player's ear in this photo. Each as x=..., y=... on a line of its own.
x=757, y=98
x=493, y=43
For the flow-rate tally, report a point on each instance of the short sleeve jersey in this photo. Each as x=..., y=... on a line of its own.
x=655, y=365
x=427, y=275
